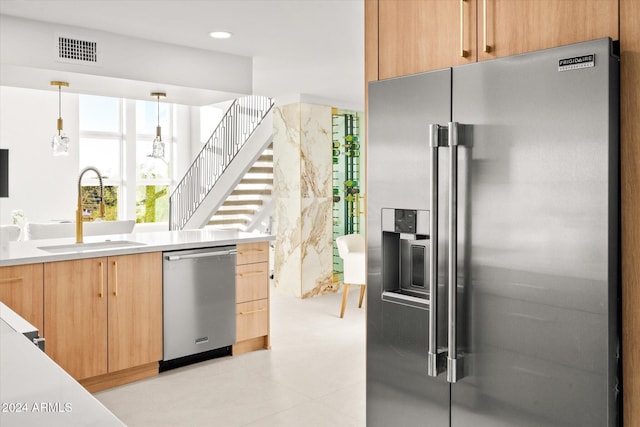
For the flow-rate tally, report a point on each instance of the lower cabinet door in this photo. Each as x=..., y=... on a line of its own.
x=75, y=315
x=252, y=319
x=135, y=310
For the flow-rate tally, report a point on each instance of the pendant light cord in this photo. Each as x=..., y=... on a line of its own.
x=158, y=95
x=60, y=84
x=158, y=129
x=59, y=105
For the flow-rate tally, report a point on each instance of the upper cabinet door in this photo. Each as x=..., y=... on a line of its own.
x=510, y=27
x=421, y=35
x=370, y=42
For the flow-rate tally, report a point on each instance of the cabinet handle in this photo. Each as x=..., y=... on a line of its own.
x=115, y=278
x=253, y=311
x=251, y=273
x=487, y=48
x=101, y=293
x=463, y=53
x=12, y=279
x=250, y=251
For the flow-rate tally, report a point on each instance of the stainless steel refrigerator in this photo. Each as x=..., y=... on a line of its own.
x=493, y=243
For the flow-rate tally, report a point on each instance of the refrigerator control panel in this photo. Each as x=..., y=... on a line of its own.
x=405, y=221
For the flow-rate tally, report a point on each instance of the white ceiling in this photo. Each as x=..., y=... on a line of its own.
x=314, y=48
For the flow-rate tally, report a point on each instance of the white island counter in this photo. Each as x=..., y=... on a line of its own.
x=35, y=391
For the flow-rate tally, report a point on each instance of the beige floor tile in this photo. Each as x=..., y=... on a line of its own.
x=313, y=376
x=311, y=414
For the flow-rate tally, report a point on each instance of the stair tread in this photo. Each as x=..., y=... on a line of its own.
x=222, y=212
x=261, y=169
x=256, y=181
x=250, y=192
x=227, y=221
x=242, y=202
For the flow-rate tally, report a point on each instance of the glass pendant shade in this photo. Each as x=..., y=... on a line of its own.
x=60, y=145
x=158, y=147
x=60, y=141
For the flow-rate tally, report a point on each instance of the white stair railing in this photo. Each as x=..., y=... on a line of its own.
x=236, y=126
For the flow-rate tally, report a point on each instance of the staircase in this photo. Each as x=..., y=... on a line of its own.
x=249, y=204
x=232, y=154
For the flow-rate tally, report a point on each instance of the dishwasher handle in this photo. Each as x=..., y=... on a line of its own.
x=201, y=255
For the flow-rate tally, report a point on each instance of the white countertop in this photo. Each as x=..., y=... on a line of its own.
x=29, y=252
x=35, y=391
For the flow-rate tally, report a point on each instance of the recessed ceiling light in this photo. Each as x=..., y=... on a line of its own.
x=220, y=34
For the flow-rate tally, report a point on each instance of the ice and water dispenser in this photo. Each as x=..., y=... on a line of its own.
x=405, y=255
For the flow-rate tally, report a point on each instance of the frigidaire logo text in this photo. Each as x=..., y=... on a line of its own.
x=576, y=60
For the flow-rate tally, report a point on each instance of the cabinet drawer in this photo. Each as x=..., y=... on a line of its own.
x=21, y=289
x=249, y=253
x=252, y=282
x=252, y=319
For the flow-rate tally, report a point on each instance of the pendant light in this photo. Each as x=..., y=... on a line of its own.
x=60, y=141
x=158, y=146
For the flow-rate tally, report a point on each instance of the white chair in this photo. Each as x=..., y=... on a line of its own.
x=9, y=233
x=351, y=249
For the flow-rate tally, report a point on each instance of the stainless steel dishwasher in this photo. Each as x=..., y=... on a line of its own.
x=199, y=300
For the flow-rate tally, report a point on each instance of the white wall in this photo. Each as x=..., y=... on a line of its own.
x=204, y=120
x=42, y=185
x=131, y=67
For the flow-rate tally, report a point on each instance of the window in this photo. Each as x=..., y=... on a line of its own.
x=118, y=154
x=100, y=114
x=102, y=153
x=101, y=146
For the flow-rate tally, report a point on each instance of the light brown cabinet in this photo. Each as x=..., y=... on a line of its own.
x=252, y=297
x=421, y=35
x=135, y=310
x=630, y=183
x=252, y=320
x=252, y=282
x=104, y=316
x=508, y=27
x=413, y=36
x=75, y=315
x=21, y=290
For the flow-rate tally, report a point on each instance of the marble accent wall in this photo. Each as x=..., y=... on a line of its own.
x=303, y=259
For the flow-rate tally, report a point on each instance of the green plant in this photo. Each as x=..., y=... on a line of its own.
x=90, y=196
x=152, y=204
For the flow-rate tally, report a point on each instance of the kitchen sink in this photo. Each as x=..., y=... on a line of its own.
x=93, y=246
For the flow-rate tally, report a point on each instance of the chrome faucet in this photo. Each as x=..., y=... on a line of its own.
x=79, y=211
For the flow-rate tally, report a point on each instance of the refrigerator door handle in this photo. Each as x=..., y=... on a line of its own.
x=455, y=361
x=435, y=361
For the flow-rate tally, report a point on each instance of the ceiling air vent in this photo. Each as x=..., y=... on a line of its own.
x=74, y=50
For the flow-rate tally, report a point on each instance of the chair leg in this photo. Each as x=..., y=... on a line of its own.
x=363, y=288
x=344, y=299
